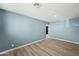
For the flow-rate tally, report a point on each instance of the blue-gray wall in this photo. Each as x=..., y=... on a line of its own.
x=66, y=30
x=19, y=30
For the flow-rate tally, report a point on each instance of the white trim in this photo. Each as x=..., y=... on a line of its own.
x=63, y=40
x=47, y=36
x=3, y=52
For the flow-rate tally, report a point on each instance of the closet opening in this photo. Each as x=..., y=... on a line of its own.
x=46, y=30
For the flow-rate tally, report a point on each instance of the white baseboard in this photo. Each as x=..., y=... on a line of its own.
x=63, y=40
x=3, y=52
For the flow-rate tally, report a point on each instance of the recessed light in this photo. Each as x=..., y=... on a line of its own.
x=55, y=16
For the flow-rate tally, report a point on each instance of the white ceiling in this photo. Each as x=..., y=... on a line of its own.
x=48, y=11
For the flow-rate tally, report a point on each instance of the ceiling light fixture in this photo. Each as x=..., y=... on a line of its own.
x=37, y=5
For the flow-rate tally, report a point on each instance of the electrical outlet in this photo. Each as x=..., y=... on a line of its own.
x=12, y=45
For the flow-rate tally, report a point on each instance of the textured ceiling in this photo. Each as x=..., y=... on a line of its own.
x=47, y=11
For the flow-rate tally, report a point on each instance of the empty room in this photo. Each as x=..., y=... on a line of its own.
x=39, y=29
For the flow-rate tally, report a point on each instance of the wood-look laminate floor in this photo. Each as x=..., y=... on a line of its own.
x=47, y=47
